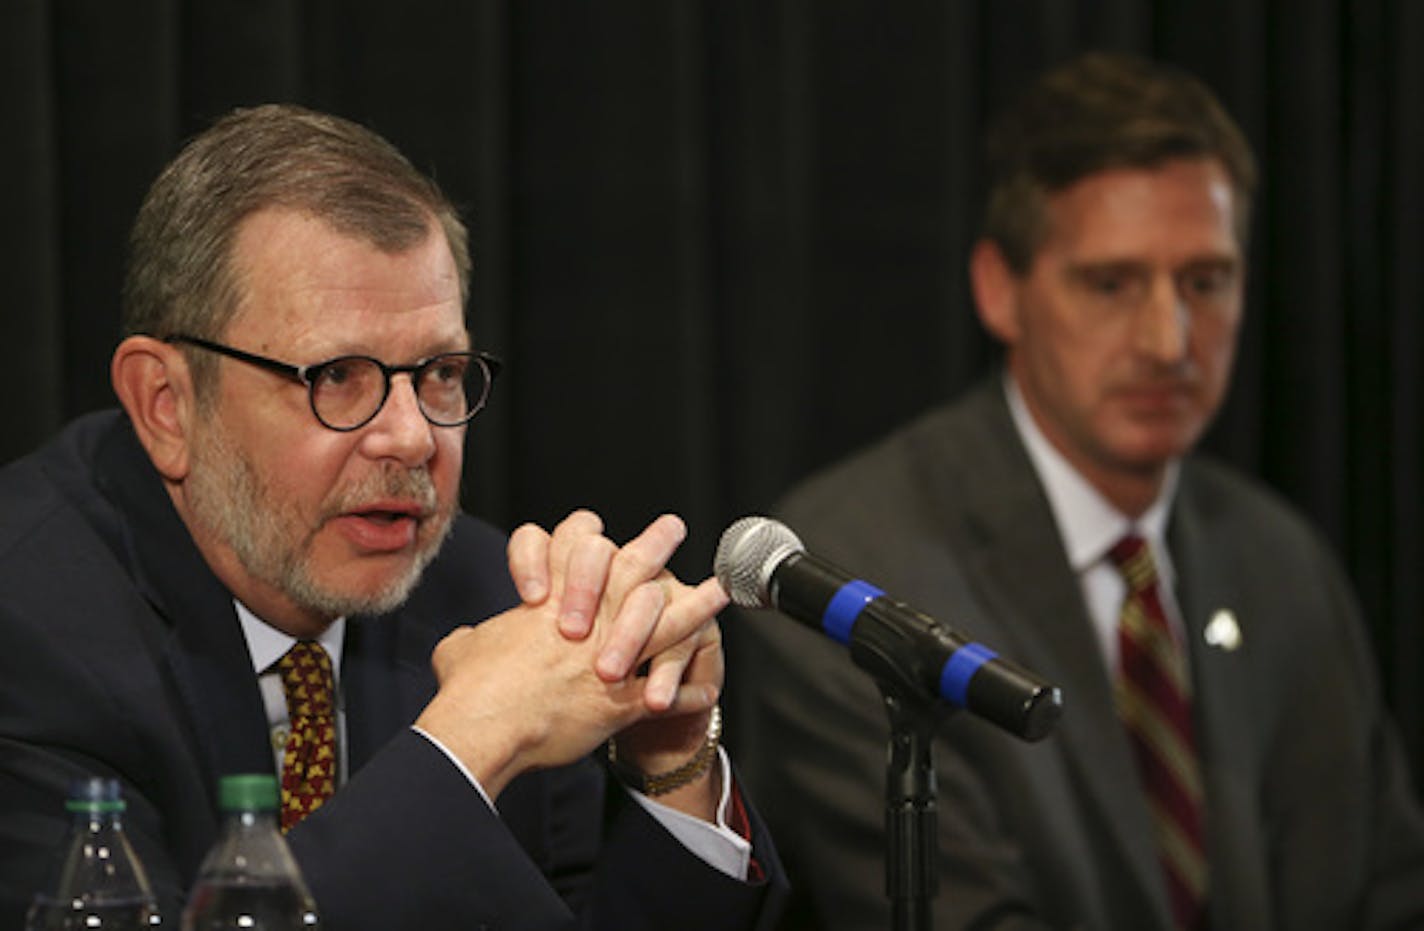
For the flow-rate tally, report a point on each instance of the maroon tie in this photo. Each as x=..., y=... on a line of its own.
x=1154, y=701
x=309, y=762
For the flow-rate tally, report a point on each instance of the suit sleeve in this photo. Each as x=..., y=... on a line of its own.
x=407, y=843
x=671, y=887
x=581, y=856
x=60, y=722
x=1338, y=797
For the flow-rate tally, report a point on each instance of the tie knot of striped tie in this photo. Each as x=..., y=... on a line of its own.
x=1133, y=558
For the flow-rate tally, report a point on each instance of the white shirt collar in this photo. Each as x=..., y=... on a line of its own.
x=1088, y=524
x=266, y=644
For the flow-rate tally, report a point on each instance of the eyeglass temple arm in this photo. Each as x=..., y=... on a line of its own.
x=294, y=372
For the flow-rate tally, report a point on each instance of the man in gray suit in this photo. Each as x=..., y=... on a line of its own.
x=1111, y=268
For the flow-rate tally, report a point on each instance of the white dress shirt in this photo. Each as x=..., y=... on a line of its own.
x=1089, y=527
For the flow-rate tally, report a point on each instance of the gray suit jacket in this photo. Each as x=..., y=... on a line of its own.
x=1312, y=822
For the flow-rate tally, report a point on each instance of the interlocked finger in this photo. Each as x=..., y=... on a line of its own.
x=585, y=578
x=687, y=677
x=670, y=645
x=631, y=631
x=643, y=558
x=529, y=562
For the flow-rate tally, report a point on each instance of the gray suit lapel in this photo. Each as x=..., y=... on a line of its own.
x=1021, y=578
x=1224, y=708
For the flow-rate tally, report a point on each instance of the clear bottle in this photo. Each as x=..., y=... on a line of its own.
x=249, y=878
x=98, y=881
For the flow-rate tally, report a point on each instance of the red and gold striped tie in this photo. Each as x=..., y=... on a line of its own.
x=1154, y=701
x=309, y=762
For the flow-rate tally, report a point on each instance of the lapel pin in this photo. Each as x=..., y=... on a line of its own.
x=1222, y=631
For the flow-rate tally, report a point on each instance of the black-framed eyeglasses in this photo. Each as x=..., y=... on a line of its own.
x=347, y=392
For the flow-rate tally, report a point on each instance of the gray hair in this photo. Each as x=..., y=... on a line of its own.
x=180, y=277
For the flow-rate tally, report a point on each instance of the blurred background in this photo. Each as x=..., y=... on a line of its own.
x=722, y=242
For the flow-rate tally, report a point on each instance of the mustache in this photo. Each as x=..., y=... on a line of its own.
x=391, y=482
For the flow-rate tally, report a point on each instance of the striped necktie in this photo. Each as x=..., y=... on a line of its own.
x=309, y=761
x=1153, y=696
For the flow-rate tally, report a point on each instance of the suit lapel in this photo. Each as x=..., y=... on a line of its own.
x=1224, y=704
x=386, y=680
x=1021, y=577
x=205, y=651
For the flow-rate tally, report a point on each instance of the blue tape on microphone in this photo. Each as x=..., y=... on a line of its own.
x=961, y=666
x=845, y=606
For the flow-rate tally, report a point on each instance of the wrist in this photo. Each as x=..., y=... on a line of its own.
x=662, y=782
x=488, y=751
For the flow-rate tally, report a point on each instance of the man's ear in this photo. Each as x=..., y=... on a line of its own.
x=155, y=387
x=995, y=290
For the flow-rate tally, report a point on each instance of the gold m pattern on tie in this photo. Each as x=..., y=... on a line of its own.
x=309, y=759
x=1153, y=694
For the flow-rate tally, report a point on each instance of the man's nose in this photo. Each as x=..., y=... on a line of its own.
x=1163, y=324
x=400, y=429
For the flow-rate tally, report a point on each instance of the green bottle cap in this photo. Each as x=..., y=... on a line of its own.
x=94, y=794
x=248, y=792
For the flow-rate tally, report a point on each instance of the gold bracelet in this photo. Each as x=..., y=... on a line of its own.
x=662, y=783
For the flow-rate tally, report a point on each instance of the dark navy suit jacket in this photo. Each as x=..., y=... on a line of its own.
x=120, y=655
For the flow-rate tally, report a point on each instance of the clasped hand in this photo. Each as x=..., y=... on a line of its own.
x=607, y=641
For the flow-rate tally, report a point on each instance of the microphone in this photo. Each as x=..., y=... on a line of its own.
x=761, y=563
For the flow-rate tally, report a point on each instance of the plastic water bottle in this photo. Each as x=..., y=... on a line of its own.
x=249, y=878
x=99, y=881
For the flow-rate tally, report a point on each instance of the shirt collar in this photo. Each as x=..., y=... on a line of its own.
x=1088, y=524
x=266, y=644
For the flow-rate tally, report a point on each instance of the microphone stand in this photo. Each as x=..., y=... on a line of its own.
x=911, y=843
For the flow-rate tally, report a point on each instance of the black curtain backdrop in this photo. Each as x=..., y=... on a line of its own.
x=721, y=243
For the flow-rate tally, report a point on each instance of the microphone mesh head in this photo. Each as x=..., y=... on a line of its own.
x=750, y=550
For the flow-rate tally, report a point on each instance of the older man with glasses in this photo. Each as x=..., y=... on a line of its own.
x=165, y=568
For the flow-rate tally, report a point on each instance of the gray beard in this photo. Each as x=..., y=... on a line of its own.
x=227, y=494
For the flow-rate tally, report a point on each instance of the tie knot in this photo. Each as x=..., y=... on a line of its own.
x=307, y=680
x=1133, y=558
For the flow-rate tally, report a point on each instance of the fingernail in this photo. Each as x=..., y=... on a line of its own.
x=664, y=693
x=533, y=589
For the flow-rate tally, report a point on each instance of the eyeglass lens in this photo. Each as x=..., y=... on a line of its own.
x=450, y=389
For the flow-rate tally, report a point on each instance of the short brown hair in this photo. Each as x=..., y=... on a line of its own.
x=179, y=276
x=1096, y=112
